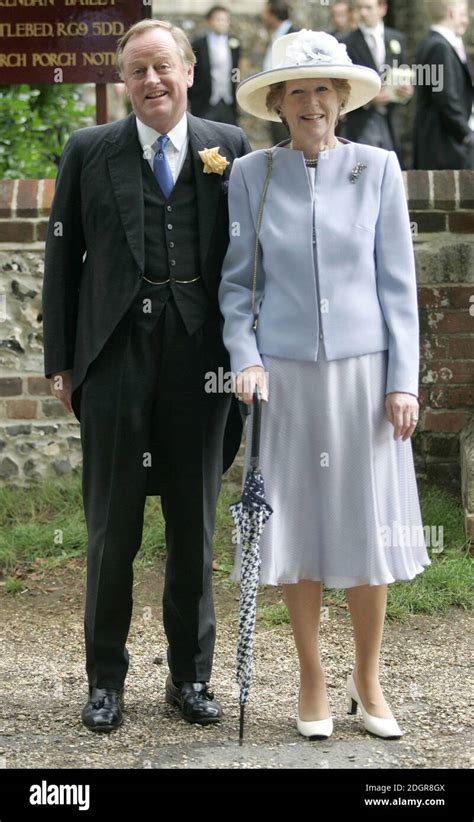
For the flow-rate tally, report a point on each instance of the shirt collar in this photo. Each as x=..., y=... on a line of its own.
x=178, y=134
x=447, y=34
x=213, y=35
x=379, y=29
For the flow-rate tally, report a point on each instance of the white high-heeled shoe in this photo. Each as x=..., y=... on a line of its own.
x=385, y=727
x=314, y=728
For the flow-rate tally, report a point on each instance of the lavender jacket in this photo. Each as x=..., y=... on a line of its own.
x=365, y=259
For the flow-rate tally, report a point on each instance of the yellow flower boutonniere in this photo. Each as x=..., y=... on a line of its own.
x=213, y=161
x=233, y=42
x=395, y=47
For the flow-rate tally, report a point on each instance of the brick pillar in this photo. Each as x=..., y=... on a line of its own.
x=441, y=205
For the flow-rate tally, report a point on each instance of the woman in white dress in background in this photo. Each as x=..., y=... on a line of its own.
x=336, y=356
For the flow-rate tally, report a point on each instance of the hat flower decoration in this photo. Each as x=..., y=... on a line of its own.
x=315, y=47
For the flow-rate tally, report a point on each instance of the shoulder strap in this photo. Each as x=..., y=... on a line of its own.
x=269, y=154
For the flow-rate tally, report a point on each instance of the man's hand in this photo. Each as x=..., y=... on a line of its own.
x=404, y=91
x=246, y=382
x=402, y=411
x=60, y=385
x=382, y=98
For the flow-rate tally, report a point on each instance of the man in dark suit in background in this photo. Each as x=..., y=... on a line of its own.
x=212, y=94
x=137, y=236
x=276, y=19
x=374, y=45
x=341, y=18
x=443, y=138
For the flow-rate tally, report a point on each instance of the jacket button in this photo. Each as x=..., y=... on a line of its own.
x=320, y=336
x=169, y=226
x=172, y=262
x=171, y=244
x=169, y=208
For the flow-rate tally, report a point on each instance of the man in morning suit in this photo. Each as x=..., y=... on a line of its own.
x=375, y=45
x=443, y=137
x=137, y=236
x=276, y=19
x=212, y=94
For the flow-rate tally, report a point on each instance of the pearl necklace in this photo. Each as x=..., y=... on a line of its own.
x=312, y=163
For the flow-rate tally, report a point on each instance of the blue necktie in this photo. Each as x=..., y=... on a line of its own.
x=161, y=166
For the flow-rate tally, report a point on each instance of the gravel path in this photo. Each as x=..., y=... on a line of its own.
x=425, y=674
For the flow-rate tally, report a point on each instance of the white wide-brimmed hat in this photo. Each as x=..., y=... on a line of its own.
x=307, y=54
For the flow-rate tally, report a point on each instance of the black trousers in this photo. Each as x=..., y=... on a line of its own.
x=144, y=402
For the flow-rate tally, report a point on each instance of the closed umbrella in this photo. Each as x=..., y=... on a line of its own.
x=250, y=514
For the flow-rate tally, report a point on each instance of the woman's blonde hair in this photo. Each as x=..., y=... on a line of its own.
x=178, y=35
x=277, y=90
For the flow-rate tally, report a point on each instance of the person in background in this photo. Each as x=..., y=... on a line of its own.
x=276, y=18
x=216, y=72
x=443, y=137
x=374, y=45
x=341, y=18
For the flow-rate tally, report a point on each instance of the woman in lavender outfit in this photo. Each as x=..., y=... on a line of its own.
x=336, y=356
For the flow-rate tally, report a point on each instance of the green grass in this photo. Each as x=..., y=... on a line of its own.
x=13, y=585
x=45, y=523
x=45, y=520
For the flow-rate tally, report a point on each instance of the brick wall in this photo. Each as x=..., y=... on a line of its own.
x=38, y=437
x=441, y=207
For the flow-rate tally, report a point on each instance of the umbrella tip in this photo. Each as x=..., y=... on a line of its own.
x=241, y=724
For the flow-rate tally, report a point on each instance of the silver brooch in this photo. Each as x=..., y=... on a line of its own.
x=357, y=171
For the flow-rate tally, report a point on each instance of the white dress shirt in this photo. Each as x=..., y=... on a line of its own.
x=378, y=47
x=175, y=148
x=221, y=68
x=279, y=32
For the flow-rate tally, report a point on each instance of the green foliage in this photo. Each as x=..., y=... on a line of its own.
x=35, y=122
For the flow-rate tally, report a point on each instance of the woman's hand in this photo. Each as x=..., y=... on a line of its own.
x=402, y=411
x=246, y=382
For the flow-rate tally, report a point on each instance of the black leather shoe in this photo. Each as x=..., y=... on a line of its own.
x=103, y=711
x=194, y=700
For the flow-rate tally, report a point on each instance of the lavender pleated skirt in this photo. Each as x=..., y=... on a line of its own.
x=343, y=491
